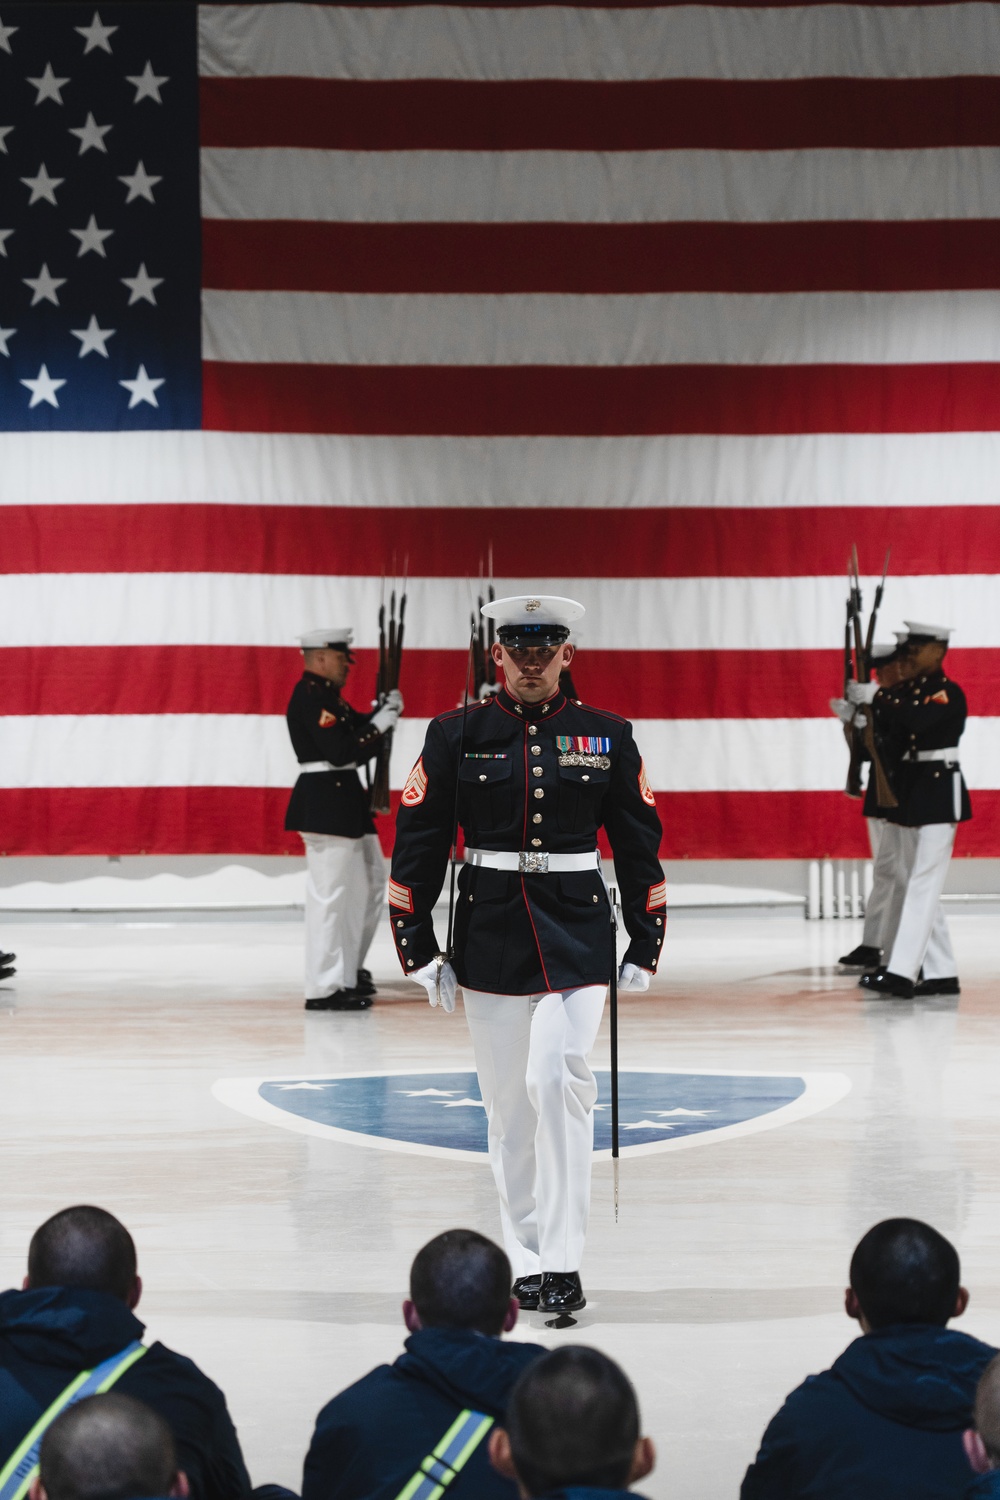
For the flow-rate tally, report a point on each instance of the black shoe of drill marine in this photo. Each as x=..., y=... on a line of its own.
x=526, y=1290
x=561, y=1292
x=949, y=986
x=867, y=980
x=885, y=982
x=339, y=1000
x=861, y=957
x=7, y=972
x=6, y=959
x=364, y=985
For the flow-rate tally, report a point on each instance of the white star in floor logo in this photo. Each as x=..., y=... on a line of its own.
x=42, y=185
x=49, y=86
x=91, y=135
x=6, y=32
x=92, y=238
x=5, y=131
x=287, y=1088
x=96, y=34
x=425, y=1093
x=5, y=335
x=44, y=286
x=142, y=388
x=142, y=285
x=464, y=1104
x=5, y=235
x=147, y=84
x=43, y=388
x=140, y=184
x=93, y=338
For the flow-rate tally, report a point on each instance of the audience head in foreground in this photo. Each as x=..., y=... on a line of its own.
x=982, y=1439
x=572, y=1423
x=886, y=1421
x=86, y=1248
x=461, y=1280
x=108, y=1448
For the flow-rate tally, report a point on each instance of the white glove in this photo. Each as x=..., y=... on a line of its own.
x=843, y=709
x=428, y=977
x=861, y=692
x=489, y=689
x=631, y=977
x=386, y=718
x=394, y=699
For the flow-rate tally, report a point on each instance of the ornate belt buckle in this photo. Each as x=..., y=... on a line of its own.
x=531, y=863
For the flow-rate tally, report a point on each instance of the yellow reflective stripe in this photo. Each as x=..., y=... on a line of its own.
x=24, y=1448
x=476, y=1438
x=119, y=1370
x=428, y=1483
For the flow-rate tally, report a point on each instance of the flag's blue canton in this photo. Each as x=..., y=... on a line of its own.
x=100, y=322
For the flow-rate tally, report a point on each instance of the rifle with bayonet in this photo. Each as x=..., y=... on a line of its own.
x=864, y=737
x=484, y=668
x=390, y=656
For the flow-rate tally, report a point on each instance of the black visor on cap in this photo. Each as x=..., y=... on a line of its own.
x=336, y=646
x=538, y=634
x=885, y=659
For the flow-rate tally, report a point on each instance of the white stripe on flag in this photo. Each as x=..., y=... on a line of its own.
x=559, y=42
x=657, y=329
x=658, y=614
x=681, y=755
x=614, y=187
x=237, y=468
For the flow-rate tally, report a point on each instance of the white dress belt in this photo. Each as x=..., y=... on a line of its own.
x=951, y=753
x=307, y=766
x=532, y=861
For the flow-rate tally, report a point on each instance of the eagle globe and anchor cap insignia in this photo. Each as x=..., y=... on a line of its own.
x=441, y=1113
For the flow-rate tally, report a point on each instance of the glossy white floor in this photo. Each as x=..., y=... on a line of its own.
x=278, y=1260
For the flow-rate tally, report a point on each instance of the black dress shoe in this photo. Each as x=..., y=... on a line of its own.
x=885, y=982
x=526, y=1290
x=561, y=1292
x=947, y=986
x=7, y=973
x=867, y=979
x=6, y=959
x=861, y=957
x=339, y=1000
x=364, y=984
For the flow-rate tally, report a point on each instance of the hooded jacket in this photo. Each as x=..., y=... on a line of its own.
x=49, y=1335
x=983, y=1486
x=371, y=1438
x=885, y=1421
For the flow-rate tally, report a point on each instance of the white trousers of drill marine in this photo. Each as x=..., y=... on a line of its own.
x=881, y=837
x=921, y=936
x=531, y=1057
x=345, y=894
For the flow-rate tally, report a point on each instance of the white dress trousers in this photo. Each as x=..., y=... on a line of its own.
x=345, y=894
x=531, y=1057
x=884, y=855
x=921, y=937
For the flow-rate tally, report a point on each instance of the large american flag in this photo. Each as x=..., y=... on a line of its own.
x=668, y=305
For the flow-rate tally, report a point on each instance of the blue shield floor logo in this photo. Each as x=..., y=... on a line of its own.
x=442, y=1114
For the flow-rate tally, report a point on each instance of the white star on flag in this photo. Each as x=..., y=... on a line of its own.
x=287, y=1088
x=140, y=184
x=425, y=1093
x=96, y=34
x=5, y=235
x=5, y=334
x=93, y=338
x=142, y=285
x=92, y=238
x=147, y=84
x=5, y=131
x=6, y=32
x=42, y=185
x=48, y=86
x=44, y=286
x=91, y=134
x=142, y=388
x=43, y=388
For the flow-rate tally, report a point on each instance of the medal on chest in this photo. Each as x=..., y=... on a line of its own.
x=584, y=750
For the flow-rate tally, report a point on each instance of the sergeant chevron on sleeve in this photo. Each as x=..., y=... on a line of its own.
x=534, y=775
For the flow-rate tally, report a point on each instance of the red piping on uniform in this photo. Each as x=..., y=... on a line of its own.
x=541, y=960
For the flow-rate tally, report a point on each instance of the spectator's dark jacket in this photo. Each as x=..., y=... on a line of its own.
x=584, y=1492
x=48, y=1336
x=885, y=1421
x=371, y=1438
x=983, y=1486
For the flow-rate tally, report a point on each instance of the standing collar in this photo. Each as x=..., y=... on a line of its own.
x=531, y=712
x=324, y=682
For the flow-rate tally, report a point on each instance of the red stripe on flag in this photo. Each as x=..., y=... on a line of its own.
x=259, y=680
x=444, y=542
x=287, y=255
x=337, y=114
x=536, y=401
x=249, y=820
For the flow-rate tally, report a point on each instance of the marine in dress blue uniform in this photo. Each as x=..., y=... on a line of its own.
x=345, y=868
x=925, y=714
x=536, y=775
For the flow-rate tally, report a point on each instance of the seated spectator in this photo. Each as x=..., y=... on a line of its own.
x=109, y=1448
x=572, y=1429
x=372, y=1438
x=75, y=1311
x=982, y=1440
x=886, y=1420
